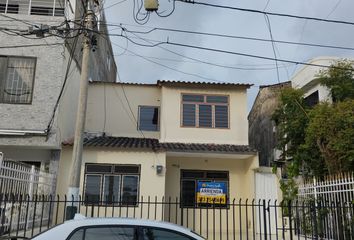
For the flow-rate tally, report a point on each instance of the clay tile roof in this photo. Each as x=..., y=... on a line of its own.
x=198, y=84
x=155, y=145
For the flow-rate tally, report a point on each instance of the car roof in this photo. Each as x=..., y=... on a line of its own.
x=81, y=222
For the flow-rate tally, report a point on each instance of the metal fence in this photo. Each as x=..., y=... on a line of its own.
x=337, y=188
x=20, y=179
x=238, y=219
x=33, y=7
x=332, y=199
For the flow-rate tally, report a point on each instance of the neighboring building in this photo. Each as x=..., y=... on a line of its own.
x=163, y=140
x=306, y=79
x=32, y=75
x=262, y=129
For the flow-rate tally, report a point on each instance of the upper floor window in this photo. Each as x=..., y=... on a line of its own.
x=8, y=8
x=148, y=118
x=205, y=111
x=43, y=7
x=16, y=79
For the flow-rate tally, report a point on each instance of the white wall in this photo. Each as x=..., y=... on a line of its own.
x=305, y=78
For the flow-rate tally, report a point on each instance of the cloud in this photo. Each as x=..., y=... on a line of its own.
x=208, y=19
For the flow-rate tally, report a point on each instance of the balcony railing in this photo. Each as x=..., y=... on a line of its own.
x=33, y=7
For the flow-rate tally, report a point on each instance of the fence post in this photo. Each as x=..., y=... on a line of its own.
x=1, y=163
x=290, y=223
x=265, y=219
x=315, y=227
x=31, y=181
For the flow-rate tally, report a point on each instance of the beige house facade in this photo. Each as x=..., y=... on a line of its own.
x=169, y=141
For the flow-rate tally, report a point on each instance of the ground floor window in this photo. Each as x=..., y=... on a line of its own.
x=204, y=188
x=111, y=184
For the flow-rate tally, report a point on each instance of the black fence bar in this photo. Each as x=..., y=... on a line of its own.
x=25, y=216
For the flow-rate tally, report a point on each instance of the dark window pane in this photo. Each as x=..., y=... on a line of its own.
x=312, y=99
x=221, y=117
x=193, y=98
x=111, y=189
x=217, y=99
x=78, y=235
x=110, y=233
x=162, y=234
x=46, y=11
x=188, y=115
x=130, y=190
x=205, y=116
x=126, y=169
x=11, y=8
x=148, y=118
x=18, y=82
x=59, y=12
x=188, y=193
x=96, y=168
x=192, y=174
x=217, y=175
x=92, y=188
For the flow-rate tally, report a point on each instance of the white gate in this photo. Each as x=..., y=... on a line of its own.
x=23, y=183
x=267, y=188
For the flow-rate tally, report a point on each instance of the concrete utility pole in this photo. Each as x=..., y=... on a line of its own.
x=74, y=186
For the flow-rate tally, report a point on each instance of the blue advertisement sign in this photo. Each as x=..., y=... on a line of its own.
x=211, y=192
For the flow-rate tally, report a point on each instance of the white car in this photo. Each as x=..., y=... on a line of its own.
x=82, y=228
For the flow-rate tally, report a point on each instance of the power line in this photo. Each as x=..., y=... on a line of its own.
x=165, y=66
x=231, y=36
x=72, y=52
x=234, y=53
x=268, y=13
x=31, y=45
x=114, y=4
x=197, y=62
x=196, y=59
x=251, y=55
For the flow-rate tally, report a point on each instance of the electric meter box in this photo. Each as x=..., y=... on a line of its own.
x=151, y=5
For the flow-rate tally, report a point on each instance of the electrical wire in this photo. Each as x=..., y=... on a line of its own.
x=168, y=67
x=239, y=54
x=217, y=65
x=230, y=36
x=160, y=14
x=31, y=45
x=16, y=19
x=72, y=52
x=114, y=4
x=268, y=13
x=198, y=60
x=334, y=8
x=273, y=46
x=137, y=7
x=265, y=7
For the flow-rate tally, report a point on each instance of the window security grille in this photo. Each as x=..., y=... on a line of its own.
x=16, y=79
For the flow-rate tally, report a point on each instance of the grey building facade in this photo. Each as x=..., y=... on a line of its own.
x=262, y=131
x=36, y=70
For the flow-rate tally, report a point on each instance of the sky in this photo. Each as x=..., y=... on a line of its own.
x=148, y=64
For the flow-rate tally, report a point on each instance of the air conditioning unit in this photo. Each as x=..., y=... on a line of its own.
x=151, y=5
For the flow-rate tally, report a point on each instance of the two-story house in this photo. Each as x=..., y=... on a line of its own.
x=164, y=140
x=40, y=75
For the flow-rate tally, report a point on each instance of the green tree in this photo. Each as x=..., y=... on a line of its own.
x=339, y=78
x=331, y=128
x=319, y=140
